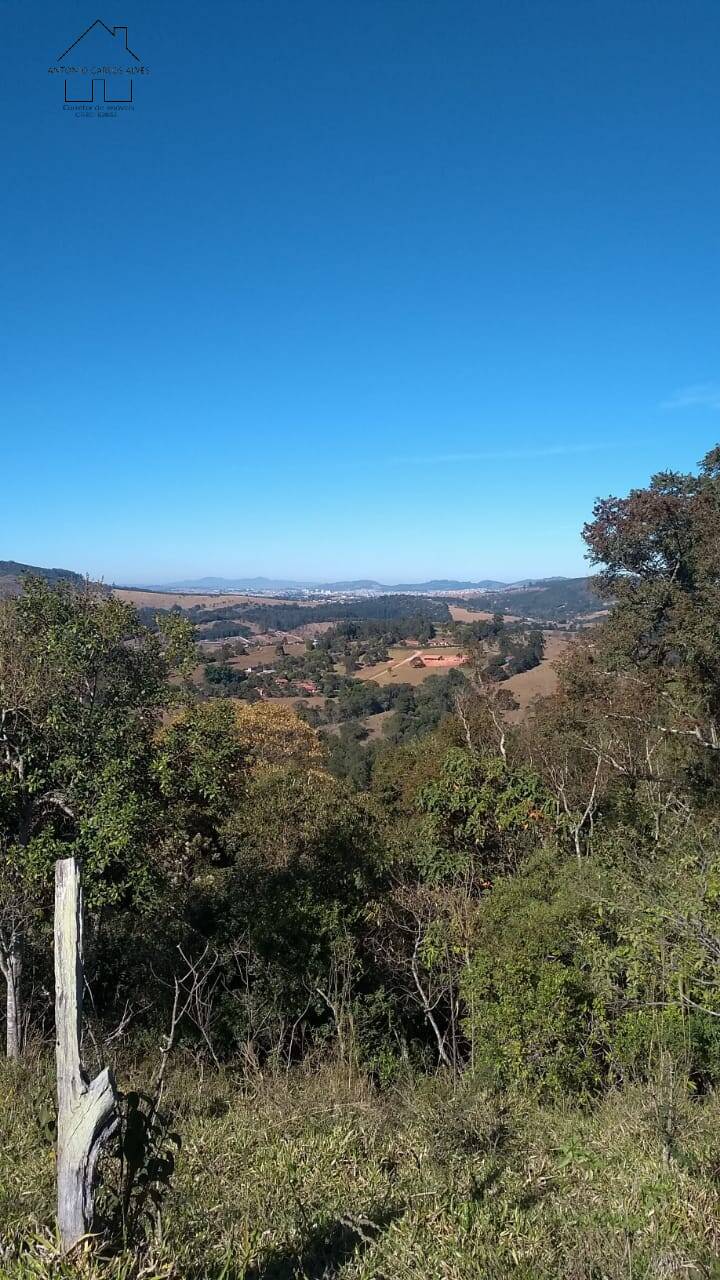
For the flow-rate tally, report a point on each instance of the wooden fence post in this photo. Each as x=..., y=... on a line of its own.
x=87, y=1108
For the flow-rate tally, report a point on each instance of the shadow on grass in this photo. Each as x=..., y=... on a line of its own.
x=326, y=1248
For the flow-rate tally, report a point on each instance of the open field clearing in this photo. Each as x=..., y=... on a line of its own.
x=375, y=724
x=311, y=629
x=459, y=613
x=398, y=669
x=267, y=655
x=188, y=600
x=541, y=680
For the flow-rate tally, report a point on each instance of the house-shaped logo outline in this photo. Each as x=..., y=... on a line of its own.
x=115, y=32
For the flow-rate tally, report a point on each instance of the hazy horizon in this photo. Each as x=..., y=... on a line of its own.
x=309, y=580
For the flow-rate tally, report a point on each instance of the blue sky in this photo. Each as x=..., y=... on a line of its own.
x=361, y=287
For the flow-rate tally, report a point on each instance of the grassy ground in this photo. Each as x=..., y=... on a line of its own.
x=318, y=1176
x=186, y=599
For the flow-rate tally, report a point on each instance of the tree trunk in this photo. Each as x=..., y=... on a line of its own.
x=12, y=969
x=86, y=1109
x=14, y=997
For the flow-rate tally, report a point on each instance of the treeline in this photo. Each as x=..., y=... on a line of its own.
x=13, y=574
x=223, y=629
x=404, y=610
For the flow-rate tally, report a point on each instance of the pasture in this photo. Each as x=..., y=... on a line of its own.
x=266, y=654
x=189, y=600
x=542, y=680
x=459, y=613
x=398, y=669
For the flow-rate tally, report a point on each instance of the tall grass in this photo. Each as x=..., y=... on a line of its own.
x=317, y=1175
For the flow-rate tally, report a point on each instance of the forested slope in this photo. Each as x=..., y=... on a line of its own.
x=12, y=574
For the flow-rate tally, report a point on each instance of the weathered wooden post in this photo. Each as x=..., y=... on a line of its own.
x=86, y=1108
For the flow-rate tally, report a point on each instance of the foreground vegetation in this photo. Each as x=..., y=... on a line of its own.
x=316, y=1174
x=456, y=1016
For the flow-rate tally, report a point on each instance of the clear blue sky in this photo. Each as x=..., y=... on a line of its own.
x=383, y=287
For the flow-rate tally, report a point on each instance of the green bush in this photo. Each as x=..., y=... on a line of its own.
x=532, y=1024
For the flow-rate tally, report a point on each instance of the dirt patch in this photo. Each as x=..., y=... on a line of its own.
x=374, y=724
x=311, y=629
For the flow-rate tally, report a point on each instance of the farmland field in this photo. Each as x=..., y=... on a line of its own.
x=396, y=669
x=267, y=655
x=459, y=613
x=188, y=600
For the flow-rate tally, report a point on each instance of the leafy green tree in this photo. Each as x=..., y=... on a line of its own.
x=480, y=814
x=304, y=859
x=528, y=991
x=200, y=766
x=82, y=687
x=660, y=548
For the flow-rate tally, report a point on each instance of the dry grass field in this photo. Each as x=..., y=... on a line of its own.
x=459, y=613
x=266, y=654
x=539, y=682
x=169, y=599
x=316, y=1171
x=186, y=600
x=397, y=668
x=374, y=724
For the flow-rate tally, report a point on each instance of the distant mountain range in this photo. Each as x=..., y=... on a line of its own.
x=354, y=584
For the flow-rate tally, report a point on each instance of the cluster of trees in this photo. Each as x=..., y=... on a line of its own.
x=223, y=629
x=533, y=904
x=417, y=709
x=222, y=678
x=409, y=611
x=558, y=600
x=402, y=615
x=515, y=653
x=363, y=644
